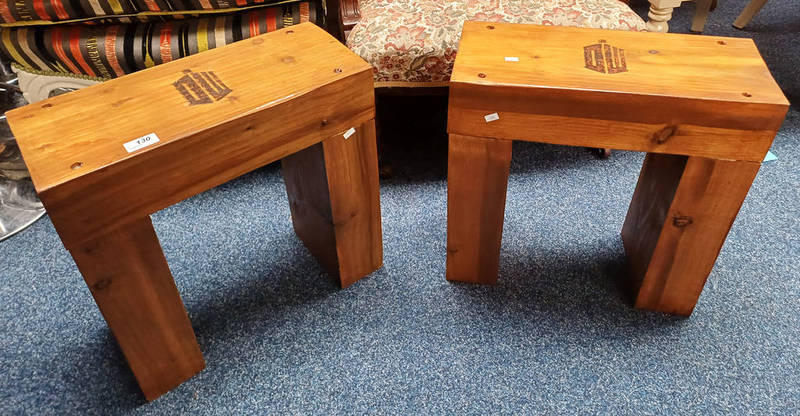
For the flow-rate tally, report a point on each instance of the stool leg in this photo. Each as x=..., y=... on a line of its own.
x=335, y=203
x=129, y=278
x=477, y=178
x=681, y=212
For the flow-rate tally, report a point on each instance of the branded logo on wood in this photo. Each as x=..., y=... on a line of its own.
x=201, y=87
x=604, y=58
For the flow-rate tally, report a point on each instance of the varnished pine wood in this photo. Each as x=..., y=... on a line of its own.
x=334, y=199
x=352, y=166
x=705, y=109
x=129, y=278
x=684, y=66
x=698, y=218
x=477, y=177
x=648, y=210
x=290, y=77
x=680, y=94
x=289, y=90
x=306, y=183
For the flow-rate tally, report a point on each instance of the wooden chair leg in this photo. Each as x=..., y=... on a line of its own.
x=129, y=278
x=680, y=215
x=477, y=178
x=749, y=13
x=702, y=7
x=659, y=15
x=335, y=203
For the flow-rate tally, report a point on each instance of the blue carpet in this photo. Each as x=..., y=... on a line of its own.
x=556, y=336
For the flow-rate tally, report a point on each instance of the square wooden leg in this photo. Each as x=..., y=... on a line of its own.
x=680, y=215
x=335, y=203
x=477, y=178
x=129, y=278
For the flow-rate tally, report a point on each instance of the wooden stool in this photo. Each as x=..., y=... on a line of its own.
x=705, y=109
x=105, y=157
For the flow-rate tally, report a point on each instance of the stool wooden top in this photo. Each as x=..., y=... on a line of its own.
x=219, y=114
x=76, y=134
x=680, y=85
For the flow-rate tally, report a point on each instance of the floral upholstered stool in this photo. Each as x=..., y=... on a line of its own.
x=413, y=43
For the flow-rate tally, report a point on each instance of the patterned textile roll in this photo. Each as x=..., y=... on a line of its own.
x=111, y=51
x=58, y=10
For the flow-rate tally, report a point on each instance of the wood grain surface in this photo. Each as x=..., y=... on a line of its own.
x=352, y=167
x=648, y=211
x=306, y=183
x=658, y=64
x=262, y=72
x=706, y=109
x=685, y=222
x=217, y=115
x=335, y=203
x=679, y=94
x=477, y=178
x=129, y=278
x=296, y=87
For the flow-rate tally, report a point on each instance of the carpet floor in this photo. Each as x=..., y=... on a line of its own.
x=556, y=336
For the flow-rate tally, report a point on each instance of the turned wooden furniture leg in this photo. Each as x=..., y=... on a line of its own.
x=702, y=7
x=334, y=199
x=477, y=178
x=681, y=212
x=749, y=13
x=128, y=276
x=659, y=14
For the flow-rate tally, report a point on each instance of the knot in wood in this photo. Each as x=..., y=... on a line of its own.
x=102, y=284
x=664, y=134
x=682, y=221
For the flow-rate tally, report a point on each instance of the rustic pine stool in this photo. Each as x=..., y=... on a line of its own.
x=705, y=109
x=106, y=157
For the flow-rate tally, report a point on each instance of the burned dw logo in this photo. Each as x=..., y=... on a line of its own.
x=604, y=58
x=201, y=87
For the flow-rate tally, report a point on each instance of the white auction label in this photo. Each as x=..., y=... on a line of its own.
x=512, y=59
x=351, y=131
x=491, y=117
x=141, y=142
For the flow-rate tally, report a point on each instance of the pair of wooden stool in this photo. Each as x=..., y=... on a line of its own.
x=106, y=157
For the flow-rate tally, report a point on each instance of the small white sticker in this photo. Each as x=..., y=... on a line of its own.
x=512, y=59
x=141, y=142
x=491, y=117
x=351, y=131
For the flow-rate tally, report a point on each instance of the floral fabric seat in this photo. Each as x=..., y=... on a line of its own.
x=414, y=42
